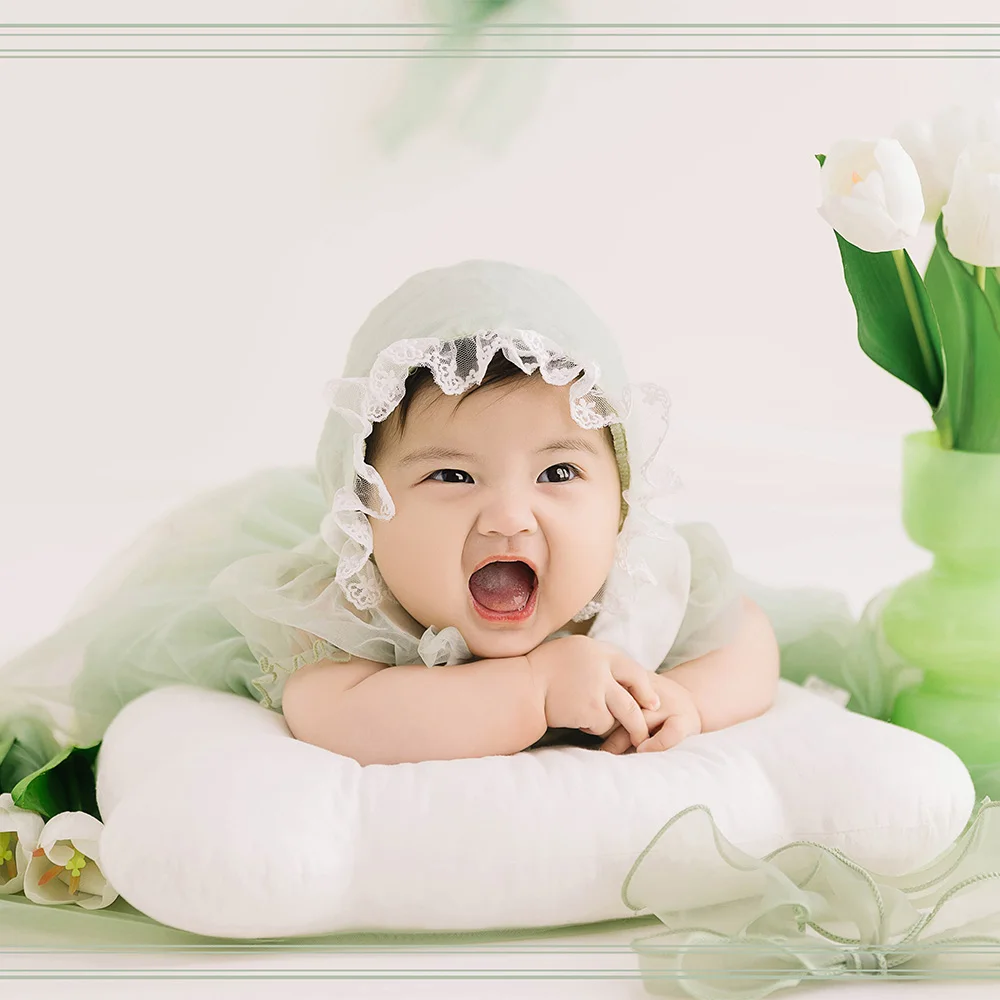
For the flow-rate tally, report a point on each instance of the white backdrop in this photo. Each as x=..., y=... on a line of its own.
x=186, y=247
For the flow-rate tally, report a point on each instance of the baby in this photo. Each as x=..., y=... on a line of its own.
x=471, y=566
x=504, y=523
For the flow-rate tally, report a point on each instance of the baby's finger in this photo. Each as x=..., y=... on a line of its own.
x=618, y=741
x=637, y=679
x=624, y=708
x=672, y=732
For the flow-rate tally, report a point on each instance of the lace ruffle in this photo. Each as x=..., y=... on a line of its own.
x=457, y=365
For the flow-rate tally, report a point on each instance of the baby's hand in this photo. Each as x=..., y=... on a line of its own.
x=592, y=686
x=677, y=718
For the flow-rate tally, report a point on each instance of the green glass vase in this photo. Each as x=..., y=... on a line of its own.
x=946, y=621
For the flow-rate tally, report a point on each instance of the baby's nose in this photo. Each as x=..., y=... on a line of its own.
x=507, y=512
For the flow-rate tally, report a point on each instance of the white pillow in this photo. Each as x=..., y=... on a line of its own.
x=219, y=822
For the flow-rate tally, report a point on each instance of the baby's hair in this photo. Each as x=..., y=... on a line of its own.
x=500, y=371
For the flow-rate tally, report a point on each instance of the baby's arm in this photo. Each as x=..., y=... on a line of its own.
x=728, y=685
x=738, y=681
x=391, y=715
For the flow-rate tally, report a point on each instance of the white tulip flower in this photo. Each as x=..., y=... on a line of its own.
x=971, y=216
x=871, y=193
x=66, y=865
x=917, y=138
x=19, y=833
x=935, y=146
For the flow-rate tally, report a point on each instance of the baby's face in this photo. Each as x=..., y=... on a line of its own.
x=508, y=474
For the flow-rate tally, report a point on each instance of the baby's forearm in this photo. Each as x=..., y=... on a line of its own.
x=414, y=713
x=738, y=681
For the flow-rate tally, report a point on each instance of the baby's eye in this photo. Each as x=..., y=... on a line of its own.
x=563, y=473
x=452, y=472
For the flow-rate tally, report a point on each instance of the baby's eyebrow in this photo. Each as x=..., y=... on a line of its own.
x=570, y=444
x=436, y=453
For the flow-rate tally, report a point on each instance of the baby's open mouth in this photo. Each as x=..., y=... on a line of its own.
x=503, y=587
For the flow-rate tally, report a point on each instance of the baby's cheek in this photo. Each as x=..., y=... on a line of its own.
x=417, y=555
x=594, y=545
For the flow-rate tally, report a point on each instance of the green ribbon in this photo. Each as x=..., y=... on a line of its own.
x=740, y=927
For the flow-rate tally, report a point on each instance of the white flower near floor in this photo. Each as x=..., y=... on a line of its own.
x=971, y=216
x=66, y=865
x=19, y=833
x=935, y=145
x=871, y=193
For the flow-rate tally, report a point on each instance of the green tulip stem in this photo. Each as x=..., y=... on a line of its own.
x=981, y=277
x=910, y=294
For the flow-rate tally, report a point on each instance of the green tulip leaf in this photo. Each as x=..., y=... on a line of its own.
x=5, y=746
x=886, y=329
x=993, y=294
x=25, y=747
x=954, y=343
x=66, y=783
x=970, y=334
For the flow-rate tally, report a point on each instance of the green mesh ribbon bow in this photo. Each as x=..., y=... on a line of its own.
x=740, y=927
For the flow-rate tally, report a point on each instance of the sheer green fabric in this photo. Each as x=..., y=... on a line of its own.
x=820, y=637
x=741, y=927
x=712, y=614
x=147, y=619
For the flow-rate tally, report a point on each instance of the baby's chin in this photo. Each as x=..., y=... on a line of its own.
x=488, y=640
x=500, y=647
x=498, y=643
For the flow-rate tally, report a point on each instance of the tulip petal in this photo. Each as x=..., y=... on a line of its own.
x=972, y=213
x=843, y=159
x=60, y=840
x=953, y=129
x=27, y=826
x=869, y=228
x=916, y=137
x=904, y=199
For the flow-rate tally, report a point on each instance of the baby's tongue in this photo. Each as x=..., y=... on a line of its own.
x=502, y=586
